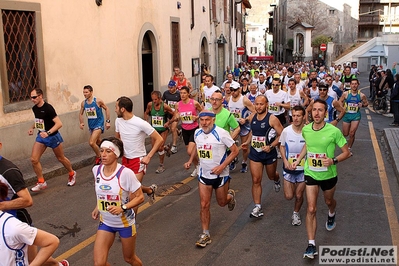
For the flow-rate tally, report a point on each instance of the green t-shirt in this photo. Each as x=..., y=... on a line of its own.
x=321, y=143
x=225, y=120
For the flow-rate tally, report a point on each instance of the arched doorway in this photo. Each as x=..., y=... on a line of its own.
x=147, y=68
x=204, y=53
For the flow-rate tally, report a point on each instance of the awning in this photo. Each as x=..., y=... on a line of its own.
x=247, y=4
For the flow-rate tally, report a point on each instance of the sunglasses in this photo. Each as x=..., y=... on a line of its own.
x=34, y=97
x=323, y=89
x=275, y=84
x=234, y=89
x=328, y=79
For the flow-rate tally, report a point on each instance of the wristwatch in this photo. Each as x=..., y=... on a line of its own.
x=271, y=146
x=335, y=160
x=124, y=208
x=107, y=121
x=337, y=119
x=48, y=132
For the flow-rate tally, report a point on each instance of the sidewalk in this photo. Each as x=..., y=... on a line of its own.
x=391, y=136
x=80, y=155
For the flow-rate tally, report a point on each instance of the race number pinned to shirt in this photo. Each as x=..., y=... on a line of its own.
x=293, y=157
x=352, y=108
x=186, y=117
x=172, y=104
x=39, y=124
x=157, y=121
x=315, y=162
x=205, y=151
x=91, y=112
x=105, y=201
x=274, y=108
x=258, y=142
x=236, y=113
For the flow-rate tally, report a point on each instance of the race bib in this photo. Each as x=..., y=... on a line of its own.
x=347, y=85
x=157, y=121
x=39, y=124
x=205, y=152
x=186, y=117
x=293, y=157
x=258, y=142
x=315, y=162
x=352, y=108
x=236, y=113
x=91, y=112
x=172, y=104
x=274, y=108
x=104, y=201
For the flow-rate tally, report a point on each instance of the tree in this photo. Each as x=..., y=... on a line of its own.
x=320, y=39
x=312, y=12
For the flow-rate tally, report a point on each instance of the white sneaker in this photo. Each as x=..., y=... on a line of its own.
x=296, y=219
x=194, y=173
x=173, y=149
x=256, y=212
x=39, y=186
x=152, y=194
x=72, y=179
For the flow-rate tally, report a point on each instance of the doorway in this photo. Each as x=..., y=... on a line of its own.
x=147, y=69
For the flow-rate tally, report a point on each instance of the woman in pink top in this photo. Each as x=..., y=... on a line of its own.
x=187, y=111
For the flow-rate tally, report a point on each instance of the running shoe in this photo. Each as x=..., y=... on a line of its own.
x=244, y=168
x=394, y=125
x=232, y=165
x=72, y=179
x=256, y=212
x=98, y=161
x=310, y=252
x=277, y=186
x=152, y=194
x=330, y=224
x=39, y=186
x=203, y=240
x=167, y=150
x=173, y=149
x=296, y=219
x=232, y=202
x=194, y=173
x=64, y=263
x=160, y=169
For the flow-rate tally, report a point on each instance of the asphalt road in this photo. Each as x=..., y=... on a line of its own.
x=367, y=204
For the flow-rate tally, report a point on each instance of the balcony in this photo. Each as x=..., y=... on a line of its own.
x=369, y=2
x=372, y=19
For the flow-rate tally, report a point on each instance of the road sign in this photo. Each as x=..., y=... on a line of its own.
x=323, y=47
x=240, y=50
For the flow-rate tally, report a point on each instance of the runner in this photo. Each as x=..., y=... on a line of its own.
x=291, y=144
x=277, y=101
x=157, y=110
x=115, y=206
x=353, y=100
x=208, y=90
x=211, y=144
x=266, y=131
x=187, y=111
x=133, y=130
x=172, y=97
x=47, y=123
x=241, y=107
x=95, y=119
x=321, y=139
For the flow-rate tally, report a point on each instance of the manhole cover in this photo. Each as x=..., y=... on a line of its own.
x=171, y=190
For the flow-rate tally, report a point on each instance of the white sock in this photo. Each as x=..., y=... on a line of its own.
x=312, y=242
x=331, y=214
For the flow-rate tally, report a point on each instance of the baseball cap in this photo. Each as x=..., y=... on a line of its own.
x=172, y=83
x=234, y=85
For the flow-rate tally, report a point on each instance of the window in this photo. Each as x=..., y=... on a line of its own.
x=176, y=44
x=254, y=50
x=21, y=54
x=331, y=11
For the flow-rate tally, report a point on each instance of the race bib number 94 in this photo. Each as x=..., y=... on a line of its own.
x=315, y=162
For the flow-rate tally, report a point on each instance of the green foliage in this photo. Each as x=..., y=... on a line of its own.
x=320, y=39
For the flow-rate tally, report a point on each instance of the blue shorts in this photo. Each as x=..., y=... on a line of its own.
x=124, y=232
x=52, y=141
x=245, y=129
x=294, y=178
x=215, y=183
x=99, y=127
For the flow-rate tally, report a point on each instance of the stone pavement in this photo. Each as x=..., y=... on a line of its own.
x=82, y=155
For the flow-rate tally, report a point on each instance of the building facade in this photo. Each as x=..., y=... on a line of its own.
x=122, y=48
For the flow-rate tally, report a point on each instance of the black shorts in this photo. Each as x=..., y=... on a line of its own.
x=282, y=119
x=188, y=135
x=323, y=184
x=215, y=183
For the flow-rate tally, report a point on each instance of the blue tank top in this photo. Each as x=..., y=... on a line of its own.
x=330, y=109
x=262, y=135
x=94, y=113
x=351, y=103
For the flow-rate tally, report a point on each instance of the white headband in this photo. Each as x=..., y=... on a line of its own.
x=109, y=145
